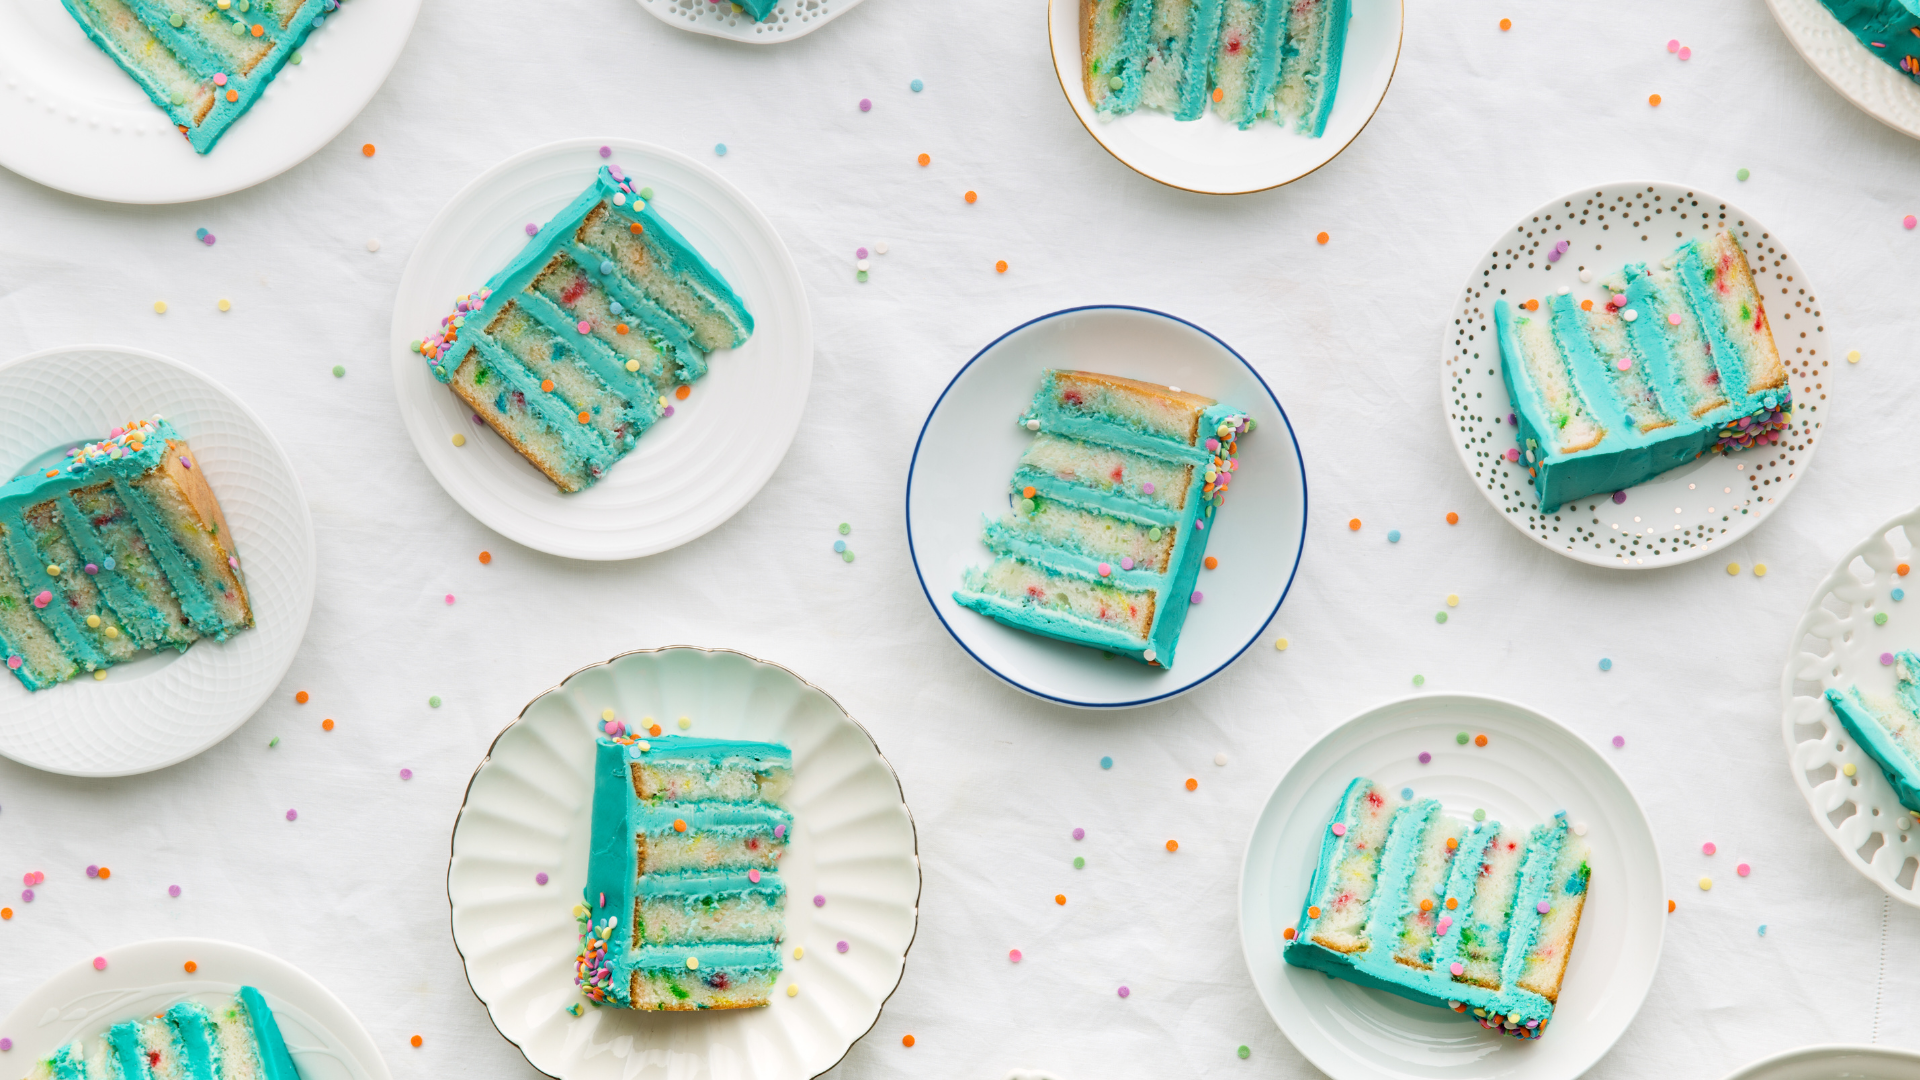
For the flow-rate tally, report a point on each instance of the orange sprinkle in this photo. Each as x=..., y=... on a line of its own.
x=1479, y=740
x=233, y=95
x=619, y=328
x=1322, y=238
x=546, y=385
x=6, y=913
x=654, y=730
x=1313, y=913
x=1586, y=305
x=586, y=417
x=1289, y=933
x=1653, y=99
x=925, y=160
x=1027, y=492
x=1427, y=905
x=366, y=150
x=1669, y=907
x=327, y=724
x=679, y=824
x=105, y=873
x=1354, y=524
x=683, y=391
x=1211, y=563
x=1453, y=901
x=1173, y=845
x=1192, y=784
x=1453, y=518
x=636, y=228
x=1219, y=94
x=1060, y=898
x=190, y=967
x=1000, y=267
x=300, y=697
x=906, y=1040
x=486, y=557
x=259, y=31
x=415, y=1040
x=1531, y=305
x=971, y=197
x=1452, y=844
x=1506, y=24
x=1902, y=569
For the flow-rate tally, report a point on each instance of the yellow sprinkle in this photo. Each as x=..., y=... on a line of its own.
x=798, y=952
x=1281, y=645
x=99, y=674
x=1759, y=569
x=1853, y=356
x=159, y=307
x=1453, y=599
x=112, y=632
x=1706, y=883
x=606, y=714
x=459, y=439
x=93, y=622
x=54, y=569
x=793, y=990
x=579, y=910
x=633, y=365
x=1733, y=568
x=226, y=304
x=693, y=963
x=685, y=723
x=663, y=401
x=1847, y=769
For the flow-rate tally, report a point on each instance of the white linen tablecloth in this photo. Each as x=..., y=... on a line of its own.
x=1479, y=127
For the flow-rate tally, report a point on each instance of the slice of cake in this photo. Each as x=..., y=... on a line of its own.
x=204, y=62
x=1469, y=916
x=1888, y=728
x=235, y=1038
x=109, y=549
x=1890, y=29
x=685, y=908
x=1110, y=510
x=1676, y=361
x=1253, y=59
x=571, y=351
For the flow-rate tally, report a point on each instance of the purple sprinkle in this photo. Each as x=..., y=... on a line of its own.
x=842, y=946
x=1543, y=907
x=668, y=411
x=26, y=896
x=866, y=105
x=207, y=239
x=93, y=871
x=6, y=1044
x=779, y=831
x=859, y=253
x=606, y=151
x=1512, y=419
x=819, y=901
x=1198, y=524
x=1619, y=497
x=292, y=815
x=1079, y=834
x=1886, y=659
x=540, y=878
x=173, y=890
x=1554, y=255
x=1425, y=758
x=1147, y=487
x=477, y=419
x=1198, y=595
x=1619, y=741
x=614, y=171
x=1124, y=991
x=93, y=568
x=406, y=774
x=532, y=228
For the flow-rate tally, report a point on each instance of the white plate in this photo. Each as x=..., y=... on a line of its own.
x=1212, y=156
x=1834, y=1063
x=1836, y=644
x=76, y=122
x=1875, y=86
x=326, y=1041
x=690, y=472
x=1530, y=768
x=1683, y=513
x=970, y=444
x=166, y=706
x=527, y=811
x=792, y=19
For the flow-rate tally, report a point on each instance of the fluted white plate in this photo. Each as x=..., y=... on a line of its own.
x=792, y=19
x=139, y=980
x=1683, y=513
x=1837, y=56
x=1835, y=645
x=527, y=812
x=691, y=471
x=1835, y=1062
x=166, y=706
x=1530, y=768
x=75, y=122
x=1210, y=155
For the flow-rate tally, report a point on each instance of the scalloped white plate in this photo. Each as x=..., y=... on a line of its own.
x=792, y=19
x=1848, y=66
x=1837, y=644
x=167, y=706
x=1213, y=157
x=77, y=123
x=970, y=444
x=527, y=811
x=1530, y=768
x=1835, y=1062
x=326, y=1041
x=1683, y=513
x=690, y=472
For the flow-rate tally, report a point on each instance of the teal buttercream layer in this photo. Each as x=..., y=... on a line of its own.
x=194, y=1028
x=67, y=1063
x=696, y=748
x=718, y=955
x=123, y=1044
x=716, y=817
x=1333, y=50
x=728, y=883
x=275, y=1062
x=1203, y=31
x=759, y=9
x=1895, y=762
x=1886, y=27
x=1268, y=55
x=1130, y=59
x=612, y=860
x=1119, y=502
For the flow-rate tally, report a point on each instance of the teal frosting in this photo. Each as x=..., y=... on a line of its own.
x=694, y=748
x=123, y=1045
x=1514, y=1010
x=1870, y=733
x=194, y=1032
x=759, y=9
x=195, y=1039
x=275, y=1062
x=1196, y=53
x=1325, y=80
x=68, y=1063
x=1890, y=29
x=196, y=55
x=725, y=957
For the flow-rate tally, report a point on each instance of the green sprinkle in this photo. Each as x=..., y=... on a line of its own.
x=1461, y=738
x=646, y=193
x=339, y=370
x=295, y=58
x=239, y=29
x=1244, y=1053
x=845, y=528
x=1079, y=863
x=1153, y=534
x=1479, y=815
x=414, y=345
x=433, y=702
x=847, y=556
x=860, y=276
x=1880, y=619
x=1439, y=616
x=1742, y=175
x=1026, y=506
x=1116, y=83
x=1419, y=680
x=273, y=742
x=176, y=19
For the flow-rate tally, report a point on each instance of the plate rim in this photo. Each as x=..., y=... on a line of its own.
x=1053, y=53
x=1774, y=7
x=913, y=831
x=1299, y=552
x=1753, y=1069
x=649, y=6
x=1459, y=697
x=305, y=529
x=1760, y=514
x=785, y=269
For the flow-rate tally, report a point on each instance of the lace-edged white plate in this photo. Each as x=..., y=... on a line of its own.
x=1683, y=513
x=1848, y=66
x=792, y=19
x=1838, y=643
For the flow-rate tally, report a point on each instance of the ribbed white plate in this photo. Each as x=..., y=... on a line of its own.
x=76, y=122
x=1870, y=83
x=1835, y=1062
x=1530, y=768
x=971, y=442
x=167, y=706
x=691, y=471
x=1683, y=513
x=326, y=1041
x=792, y=19
x=1837, y=644
x=527, y=811
x=1212, y=156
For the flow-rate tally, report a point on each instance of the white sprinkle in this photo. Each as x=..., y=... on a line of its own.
x=1175, y=389
x=1148, y=655
x=1219, y=759
x=1629, y=314
x=373, y=245
x=1586, y=274
x=881, y=247
x=863, y=264
x=1033, y=425
x=1579, y=828
x=1565, y=289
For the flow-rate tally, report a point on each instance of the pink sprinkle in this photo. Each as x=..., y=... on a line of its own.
x=1147, y=487
x=1907, y=221
x=1105, y=570
x=532, y=228
x=1673, y=45
x=1543, y=907
x=1708, y=848
x=819, y=901
x=1126, y=562
x=1199, y=524
x=1673, y=318
x=1619, y=300
x=1213, y=444
x=779, y=831
x=753, y=876
x=1625, y=363
x=1012, y=954
x=43, y=599
x=99, y=963
x=449, y=598
x=866, y=105
x=293, y=815
x=92, y=568
x=1457, y=968
x=1124, y=991
x=1686, y=53
x=220, y=79
x=1619, y=741
x=14, y=662
x=540, y=878
x=406, y=774
x=1445, y=921
x=173, y=890
x=1513, y=454
x=1339, y=829
x=1198, y=596
x=1079, y=834
x=585, y=327
x=1743, y=869
x=6, y=1044
x=1886, y=659
x=233, y=561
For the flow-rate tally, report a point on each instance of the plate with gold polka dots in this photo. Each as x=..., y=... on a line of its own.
x=1684, y=513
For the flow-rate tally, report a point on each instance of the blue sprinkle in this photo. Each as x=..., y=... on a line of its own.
x=720, y=148
x=839, y=545
x=199, y=234
x=1393, y=536
x=109, y=563
x=916, y=86
x=1763, y=929
x=1106, y=763
x=1899, y=594
x=606, y=266
x=1406, y=793
x=1606, y=664
x=614, y=306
